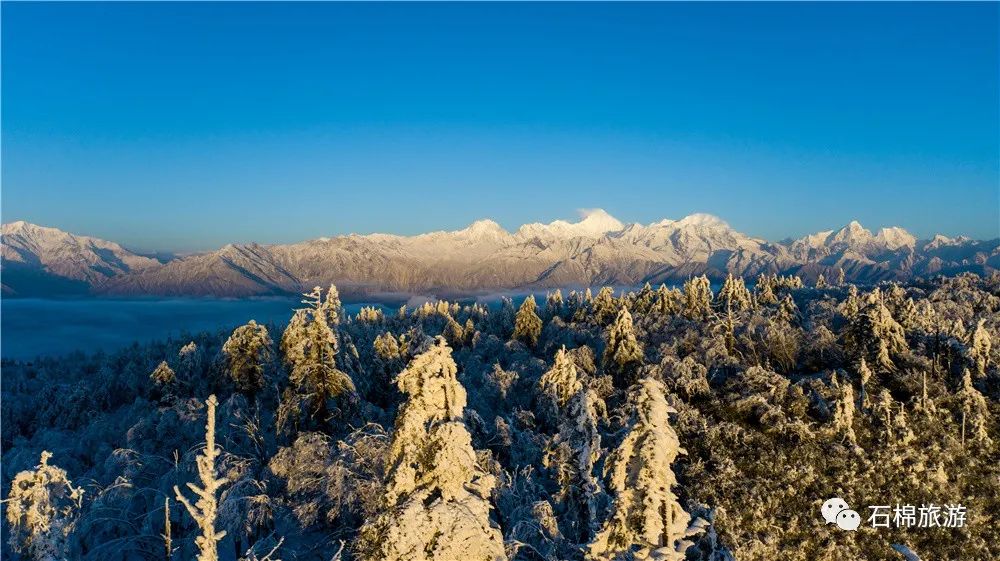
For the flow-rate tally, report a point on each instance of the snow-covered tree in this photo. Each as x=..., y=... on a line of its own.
x=765, y=290
x=247, y=353
x=163, y=376
x=979, y=348
x=864, y=375
x=604, y=306
x=646, y=517
x=623, y=354
x=527, y=324
x=205, y=510
x=436, y=502
x=667, y=301
x=874, y=335
x=571, y=456
x=334, y=310
x=734, y=295
x=697, y=297
x=554, y=305
x=310, y=347
x=974, y=412
x=843, y=412
x=42, y=509
x=787, y=311
x=189, y=359
x=560, y=383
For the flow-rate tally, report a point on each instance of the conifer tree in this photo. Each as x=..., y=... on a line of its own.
x=697, y=298
x=559, y=383
x=554, y=304
x=623, y=354
x=765, y=290
x=843, y=413
x=310, y=347
x=527, y=324
x=646, y=517
x=572, y=455
x=247, y=353
x=788, y=312
x=820, y=282
x=734, y=296
x=874, y=335
x=604, y=307
x=864, y=374
x=42, y=509
x=436, y=499
x=206, y=508
x=979, y=348
x=163, y=376
x=667, y=302
x=974, y=412
x=643, y=301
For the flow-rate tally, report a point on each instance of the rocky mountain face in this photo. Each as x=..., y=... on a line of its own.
x=39, y=261
x=597, y=250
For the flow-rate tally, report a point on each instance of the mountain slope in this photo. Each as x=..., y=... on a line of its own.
x=597, y=250
x=40, y=261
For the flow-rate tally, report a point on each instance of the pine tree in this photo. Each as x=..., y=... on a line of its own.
x=436, y=500
x=554, y=304
x=163, y=376
x=874, y=335
x=974, y=412
x=765, y=290
x=604, y=307
x=788, y=312
x=646, y=517
x=643, y=301
x=527, y=324
x=697, y=298
x=864, y=374
x=560, y=383
x=42, y=509
x=332, y=308
x=247, y=353
x=820, y=282
x=734, y=296
x=979, y=348
x=310, y=347
x=623, y=354
x=206, y=508
x=572, y=455
x=843, y=413
x=667, y=302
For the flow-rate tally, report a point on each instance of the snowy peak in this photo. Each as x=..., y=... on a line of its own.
x=700, y=220
x=484, y=230
x=895, y=238
x=851, y=235
x=597, y=249
x=855, y=237
x=50, y=251
x=597, y=221
x=593, y=224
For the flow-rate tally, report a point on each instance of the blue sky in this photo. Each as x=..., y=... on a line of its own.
x=186, y=126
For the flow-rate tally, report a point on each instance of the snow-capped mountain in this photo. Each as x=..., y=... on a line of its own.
x=596, y=250
x=40, y=260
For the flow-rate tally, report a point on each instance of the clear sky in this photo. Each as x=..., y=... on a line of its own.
x=186, y=126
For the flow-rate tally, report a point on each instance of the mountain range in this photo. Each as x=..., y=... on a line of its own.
x=597, y=250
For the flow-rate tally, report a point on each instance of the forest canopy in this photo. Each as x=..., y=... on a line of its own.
x=701, y=423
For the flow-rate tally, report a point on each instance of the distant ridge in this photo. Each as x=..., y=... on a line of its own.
x=597, y=250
